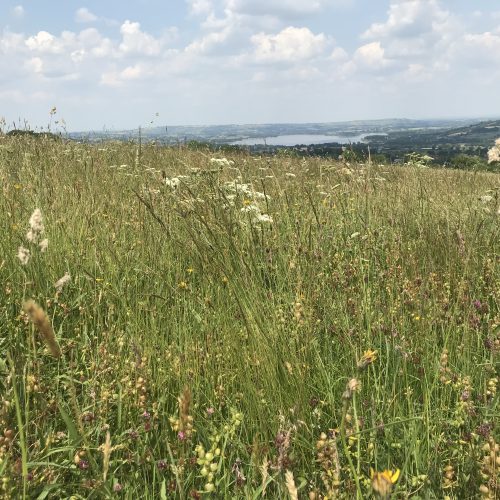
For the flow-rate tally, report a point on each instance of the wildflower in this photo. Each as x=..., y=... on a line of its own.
x=172, y=183
x=83, y=464
x=250, y=208
x=117, y=487
x=209, y=487
x=23, y=254
x=368, y=358
x=41, y=321
x=383, y=482
x=222, y=162
x=61, y=282
x=354, y=385
x=263, y=219
x=449, y=477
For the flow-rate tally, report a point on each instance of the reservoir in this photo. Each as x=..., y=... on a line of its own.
x=298, y=139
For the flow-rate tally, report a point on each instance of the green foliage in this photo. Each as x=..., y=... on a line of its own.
x=468, y=162
x=229, y=320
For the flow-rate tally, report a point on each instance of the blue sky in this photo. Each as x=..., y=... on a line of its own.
x=117, y=64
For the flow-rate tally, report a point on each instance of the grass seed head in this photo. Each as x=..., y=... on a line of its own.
x=42, y=323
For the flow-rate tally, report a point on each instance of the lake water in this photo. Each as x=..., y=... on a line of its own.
x=296, y=139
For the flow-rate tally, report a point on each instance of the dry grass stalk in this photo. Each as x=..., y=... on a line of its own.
x=106, y=452
x=265, y=474
x=290, y=485
x=184, y=404
x=42, y=323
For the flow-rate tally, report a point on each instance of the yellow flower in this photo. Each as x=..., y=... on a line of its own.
x=182, y=285
x=367, y=359
x=382, y=482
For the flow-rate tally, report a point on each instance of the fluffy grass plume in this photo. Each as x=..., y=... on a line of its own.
x=42, y=323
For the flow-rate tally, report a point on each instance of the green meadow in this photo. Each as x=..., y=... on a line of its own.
x=179, y=323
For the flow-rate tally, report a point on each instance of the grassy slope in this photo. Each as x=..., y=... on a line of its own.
x=177, y=292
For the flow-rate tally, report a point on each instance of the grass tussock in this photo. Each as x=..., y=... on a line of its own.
x=245, y=327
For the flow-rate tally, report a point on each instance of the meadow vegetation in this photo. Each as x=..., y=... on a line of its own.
x=176, y=324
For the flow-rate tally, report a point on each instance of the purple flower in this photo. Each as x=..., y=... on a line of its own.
x=162, y=465
x=210, y=411
x=133, y=434
x=181, y=435
x=146, y=415
x=83, y=464
x=477, y=304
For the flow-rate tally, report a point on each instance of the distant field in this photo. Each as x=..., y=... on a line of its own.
x=245, y=327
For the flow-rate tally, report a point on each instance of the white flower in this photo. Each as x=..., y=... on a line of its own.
x=23, y=254
x=172, y=183
x=43, y=244
x=290, y=175
x=486, y=198
x=263, y=219
x=251, y=209
x=59, y=284
x=222, y=162
x=259, y=196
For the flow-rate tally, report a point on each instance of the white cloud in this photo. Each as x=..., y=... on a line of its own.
x=291, y=44
x=44, y=41
x=478, y=51
x=136, y=41
x=18, y=11
x=371, y=56
x=83, y=15
x=119, y=78
x=200, y=7
x=410, y=19
x=416, y=34
x=207, y=43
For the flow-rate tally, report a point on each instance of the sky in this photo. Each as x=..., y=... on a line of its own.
x=114, y=65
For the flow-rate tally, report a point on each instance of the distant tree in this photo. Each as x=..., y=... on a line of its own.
x=468, y=162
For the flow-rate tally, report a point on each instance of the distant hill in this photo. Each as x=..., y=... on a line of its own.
x=224, y=134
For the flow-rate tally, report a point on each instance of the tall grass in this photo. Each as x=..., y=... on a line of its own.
x=260, y=327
